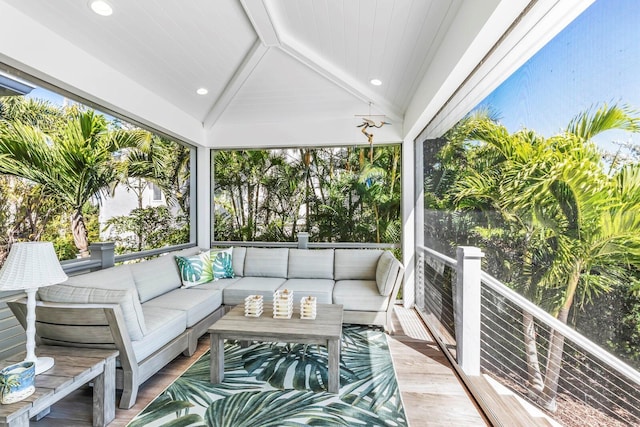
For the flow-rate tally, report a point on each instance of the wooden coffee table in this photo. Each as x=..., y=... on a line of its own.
x=325, y=329
x=73, y=368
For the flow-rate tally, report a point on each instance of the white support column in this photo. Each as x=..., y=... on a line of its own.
x=202, y=208
x=103, y=251
x=467, y=308
x=408, y=223
x=303, y=240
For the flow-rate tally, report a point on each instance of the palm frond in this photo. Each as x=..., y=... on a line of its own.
x=597, y=120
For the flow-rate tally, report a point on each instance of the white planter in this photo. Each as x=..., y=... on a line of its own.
x=17, y=382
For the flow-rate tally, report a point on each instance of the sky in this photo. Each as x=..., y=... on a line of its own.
x=39, y=93
x=595, y=60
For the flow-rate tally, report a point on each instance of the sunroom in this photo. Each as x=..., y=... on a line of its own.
x=224, y=76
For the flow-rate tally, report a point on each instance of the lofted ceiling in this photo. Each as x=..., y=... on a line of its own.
x=278, y=72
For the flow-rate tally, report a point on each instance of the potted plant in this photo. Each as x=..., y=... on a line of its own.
x=17, y=382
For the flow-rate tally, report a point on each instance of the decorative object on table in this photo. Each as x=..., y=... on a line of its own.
x=17, y=382
x=253, y=305
x=308, y=307
x=29, y=266
x=283, y=304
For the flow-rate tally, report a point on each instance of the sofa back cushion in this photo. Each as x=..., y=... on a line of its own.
x=387, y=272
x=356, y=264
x=238, y=255
x=119, y=277
x=310, y=264
x=160, y=275
x=266, y=262
x=126, y=298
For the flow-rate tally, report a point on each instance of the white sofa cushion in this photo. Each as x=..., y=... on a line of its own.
x=197, y=303
x=387, y=272
x=217, y=284
x=359, y=295
x=356, y=264
x=119, y=277
x=266, y=262
x=163, y=325
x=322, y=289
x=310, y=264
x=158, y=276
x=238, y=256
x=236, y=292
x=126, y=298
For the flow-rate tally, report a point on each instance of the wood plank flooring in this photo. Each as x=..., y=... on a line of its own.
x=431, y=392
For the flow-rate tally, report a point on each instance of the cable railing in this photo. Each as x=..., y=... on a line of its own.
x=515, y=336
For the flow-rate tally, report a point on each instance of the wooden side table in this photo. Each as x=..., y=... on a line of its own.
x=74, y=367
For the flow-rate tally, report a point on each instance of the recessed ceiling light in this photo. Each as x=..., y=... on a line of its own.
x=101, y=7
x=202, y=91
x=375, y=82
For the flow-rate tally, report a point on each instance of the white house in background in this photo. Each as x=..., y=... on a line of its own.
x=124, y=199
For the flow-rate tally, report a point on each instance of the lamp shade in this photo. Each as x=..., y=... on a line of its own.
x=31, y=265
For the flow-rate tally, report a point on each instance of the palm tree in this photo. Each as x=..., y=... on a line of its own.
x=31, y=111
x=596, y=220
x=557, y=190
x=379, y=181
x=165, y=164
x=241, y=175
x=73, y=165
x=489, y=185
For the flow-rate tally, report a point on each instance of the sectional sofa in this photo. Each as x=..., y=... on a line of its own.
x=148, y=313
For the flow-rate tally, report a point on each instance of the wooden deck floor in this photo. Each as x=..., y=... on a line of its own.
x=431, y=392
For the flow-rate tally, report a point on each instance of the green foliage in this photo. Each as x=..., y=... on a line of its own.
x=613, y=319
x=164, y=163
x=73, y=163
x=147, y=228
x=555, y=221
x=57, y=162
x=335, y=194
x=58, y=232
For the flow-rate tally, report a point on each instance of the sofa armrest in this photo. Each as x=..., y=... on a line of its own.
x=388, y=269
x=85, y=325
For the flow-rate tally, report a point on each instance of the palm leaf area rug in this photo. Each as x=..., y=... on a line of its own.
x=280, y=384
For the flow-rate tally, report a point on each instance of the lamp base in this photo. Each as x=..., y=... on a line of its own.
x=43, y=364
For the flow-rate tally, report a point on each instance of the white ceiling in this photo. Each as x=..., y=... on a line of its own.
x=279, y=72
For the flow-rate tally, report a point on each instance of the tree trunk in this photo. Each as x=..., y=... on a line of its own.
x=256, y=209
x=394, y=169
x=536, y=383
x=554, y=365
x=556, y=346
x=79, y=231
x=377, y=214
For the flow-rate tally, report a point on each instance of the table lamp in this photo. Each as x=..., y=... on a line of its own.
x=29, y=266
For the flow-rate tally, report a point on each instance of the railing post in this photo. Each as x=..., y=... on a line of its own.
x=303, y=240
x=467, y=309
x=104, y=252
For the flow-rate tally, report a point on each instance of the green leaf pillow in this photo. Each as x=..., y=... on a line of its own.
x=196, y=269
x=205, y=267
x=222, y=263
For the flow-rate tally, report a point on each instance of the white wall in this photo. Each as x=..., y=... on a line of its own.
x=122, y=202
